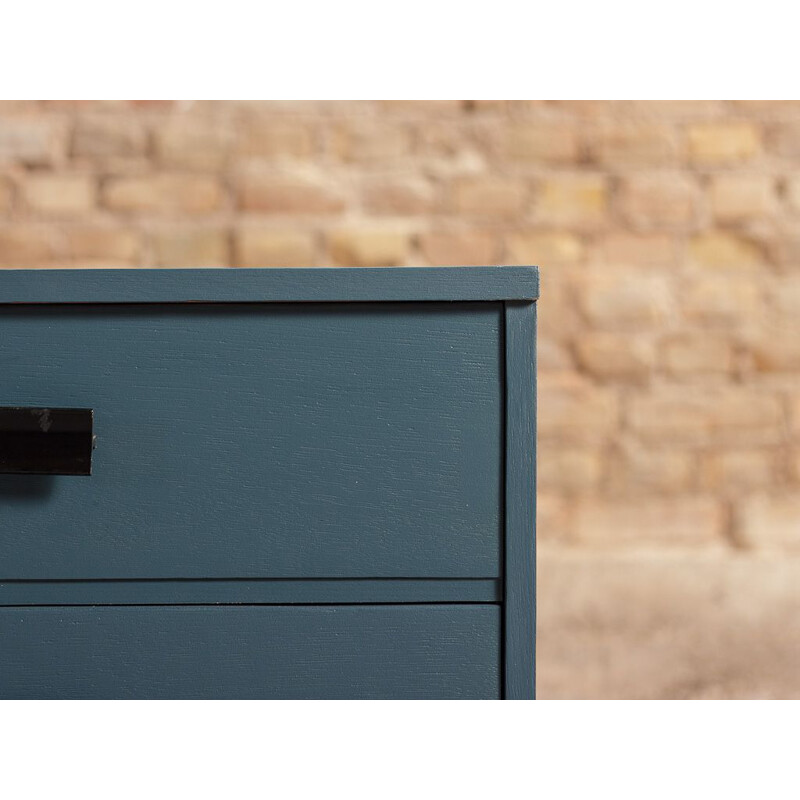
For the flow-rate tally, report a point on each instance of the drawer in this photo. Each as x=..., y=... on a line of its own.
x=251, y=652
x=257, y=440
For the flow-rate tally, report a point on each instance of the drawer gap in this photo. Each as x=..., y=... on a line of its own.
x=250, y=592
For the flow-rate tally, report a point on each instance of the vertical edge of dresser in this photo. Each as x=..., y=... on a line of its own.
x=519, y=606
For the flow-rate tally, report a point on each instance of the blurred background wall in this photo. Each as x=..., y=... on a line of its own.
x=668, y=234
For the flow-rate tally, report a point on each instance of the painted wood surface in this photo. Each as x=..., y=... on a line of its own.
x=326, y=461
x=251, y=652
x=255, y=441
x=269, y=285
x=127, y=592
x=520, y=516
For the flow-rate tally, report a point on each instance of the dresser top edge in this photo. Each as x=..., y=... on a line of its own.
x=269, y=285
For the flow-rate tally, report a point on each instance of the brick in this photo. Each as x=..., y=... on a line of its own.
x=697, y=354
x=774, y=345
x=770, y=522
x=265, y=247
x=574, y=410
x=153, y=105
x=83, y=105
x=272, y=137
x=569, y=469
x=164, y=193
x=191, y=247
x=489, y=196
x=677, y=521
x=583, y=109
x=635, y=469
x=291, y=109
x=108, y=245
x=102, y=136
x=766, y=109
x=792, y=194
x=675, y=109
x=23, y=106
x=193, y=141
x=633, y=143
x=783, y=138
x=6, y=196
x=558, y=317
x=794, y=415
x=723, y=142
x=373, y=141
x=58, y=194
x=32, y=141
x=720, y=249
x=289, y=192
x=727, y=302
x=451, y=147
x=659, y=201
x=26, y=245
x=421, y=108
x=574, y=200
x=615, y=356
x=402, y=195
x=730, y=471
x=537, y=143
x=625, y=299
x=459, y=248
x=794, y=466
x=698, y=416
x=738, y=198
x=779, y=238
x=545, y=248
x=640, y=249
x=784, y=297
x=553, y=518
x=494, y=107
x=552, y=355
x=369, y=247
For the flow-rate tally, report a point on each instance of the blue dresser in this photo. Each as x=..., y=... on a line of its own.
x=312, y=483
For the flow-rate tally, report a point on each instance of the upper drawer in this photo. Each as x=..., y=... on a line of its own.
x=258, y=440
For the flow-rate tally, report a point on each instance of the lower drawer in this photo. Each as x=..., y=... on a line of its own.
x=250, y=652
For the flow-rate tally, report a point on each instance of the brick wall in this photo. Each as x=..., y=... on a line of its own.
x=668, y=236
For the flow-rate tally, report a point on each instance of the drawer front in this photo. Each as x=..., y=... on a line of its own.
x=251, y=652
x=260, y=441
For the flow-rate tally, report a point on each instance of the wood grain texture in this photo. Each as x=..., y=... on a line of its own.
x=257, y=440
x=126, y=592
x=251, y=652
x=520, y=513
x=326, y=284
x=283, y=457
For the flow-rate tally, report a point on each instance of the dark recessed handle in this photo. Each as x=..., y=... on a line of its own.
x=45, y=441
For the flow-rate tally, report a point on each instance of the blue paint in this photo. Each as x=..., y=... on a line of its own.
x=307, y=483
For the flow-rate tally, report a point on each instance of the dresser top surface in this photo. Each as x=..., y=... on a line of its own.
x=269, y=285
